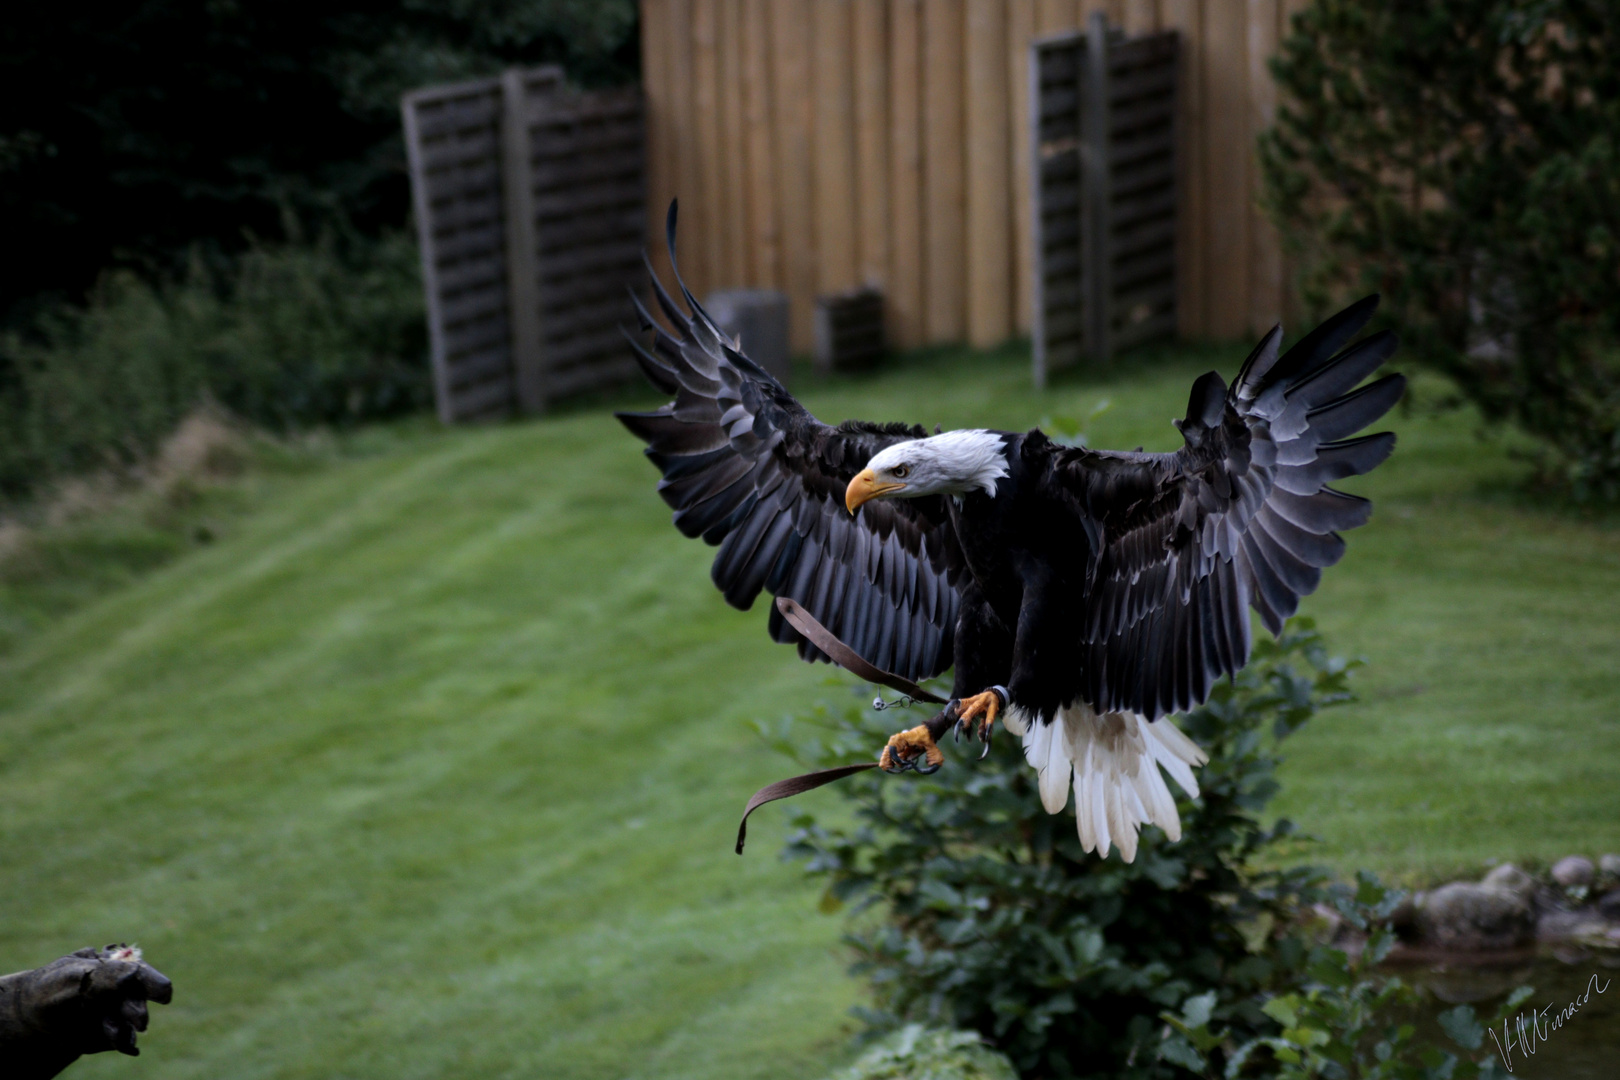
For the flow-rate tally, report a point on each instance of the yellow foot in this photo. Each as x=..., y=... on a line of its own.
x=903, y=749
x=987, y=703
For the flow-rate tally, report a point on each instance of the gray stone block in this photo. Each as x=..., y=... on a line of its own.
x=758, y=320
x=1572, y=871
x=1510, y=877
x=1470, y=917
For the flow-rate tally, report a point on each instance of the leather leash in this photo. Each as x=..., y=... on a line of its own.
x=855, y=664
x=846, y=657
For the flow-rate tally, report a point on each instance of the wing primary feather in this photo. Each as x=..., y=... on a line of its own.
x=1318, y=346
x=1324, y=511
x=1259, y=362
x=1349, y=414
x=1337, y=460
x=657, y=374
x=1271, y=597
x=1299, y=576
x=1317, y=549
x=1345, y=371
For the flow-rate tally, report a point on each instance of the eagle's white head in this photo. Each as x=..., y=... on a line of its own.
x=954, y=463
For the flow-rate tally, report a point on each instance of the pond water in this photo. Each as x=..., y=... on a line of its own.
x=1585, y=1047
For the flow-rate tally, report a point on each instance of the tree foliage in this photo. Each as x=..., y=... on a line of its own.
x=990, y=917
x=1463, y=158
x=130, y=132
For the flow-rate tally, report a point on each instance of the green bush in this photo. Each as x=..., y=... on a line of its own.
x=305, y=336
x=285, y=336
x=992, y=919
x=1463, y=158
x=1344, y=1019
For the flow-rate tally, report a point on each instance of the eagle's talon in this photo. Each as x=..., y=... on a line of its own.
x=894, y=763
x=907, y=749
x=989, y=704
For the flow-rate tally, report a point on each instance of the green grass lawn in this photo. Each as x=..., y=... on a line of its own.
x=430, y=765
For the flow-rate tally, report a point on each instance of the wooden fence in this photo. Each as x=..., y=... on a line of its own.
x=818, y=145
x=528, y=205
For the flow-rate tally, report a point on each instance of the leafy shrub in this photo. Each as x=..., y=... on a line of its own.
x=287, y=336
x=992, y=918
x=916, y=1052
x=1344, y=1020
x=1463, y=158
x=305, y=336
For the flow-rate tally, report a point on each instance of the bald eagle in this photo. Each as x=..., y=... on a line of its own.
x=1081, y=595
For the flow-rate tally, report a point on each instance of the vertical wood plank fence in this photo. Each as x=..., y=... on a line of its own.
x=822, y=145
x=529, y=203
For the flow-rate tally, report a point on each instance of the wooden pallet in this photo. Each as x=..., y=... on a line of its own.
x=1103, y=131
x=529, y=212
x=849, y=330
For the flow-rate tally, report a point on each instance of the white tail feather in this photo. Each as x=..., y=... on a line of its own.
x=1044, y=749
x=1113, y=761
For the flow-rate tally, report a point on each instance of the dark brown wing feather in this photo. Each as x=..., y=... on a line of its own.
x=747, y=468
x=1240, y=516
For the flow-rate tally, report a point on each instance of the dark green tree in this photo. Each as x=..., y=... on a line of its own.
x=1461, y=156
x=130, y=132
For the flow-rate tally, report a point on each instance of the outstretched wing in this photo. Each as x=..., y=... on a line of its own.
x=746, y=467
x=1240, y=516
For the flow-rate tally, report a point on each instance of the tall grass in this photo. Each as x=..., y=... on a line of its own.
x=286, y=335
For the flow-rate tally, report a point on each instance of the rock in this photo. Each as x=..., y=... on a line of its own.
x=1559, y=926
x=1573, y=871
x=1469, y=917
x=1608, y=905
x=1609, y=865
x=1403, y=919
x=1510, y=877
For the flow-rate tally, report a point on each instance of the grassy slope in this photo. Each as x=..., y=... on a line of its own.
x=430, y=767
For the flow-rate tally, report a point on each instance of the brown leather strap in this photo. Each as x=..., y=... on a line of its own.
x=846, y=657
x=793, y=785
x=855, y=664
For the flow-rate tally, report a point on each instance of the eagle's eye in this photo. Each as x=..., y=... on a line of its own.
x=900, y=472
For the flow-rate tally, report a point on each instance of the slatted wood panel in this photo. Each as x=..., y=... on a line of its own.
x=587, y=175
x=929, y=181
x=1104, y=175
x=530, y=205
x=453, y=137
x=1142, y=79
x=849, y=330
x=1059, y=326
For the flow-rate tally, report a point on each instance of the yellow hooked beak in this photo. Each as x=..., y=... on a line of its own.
x=866, y=487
